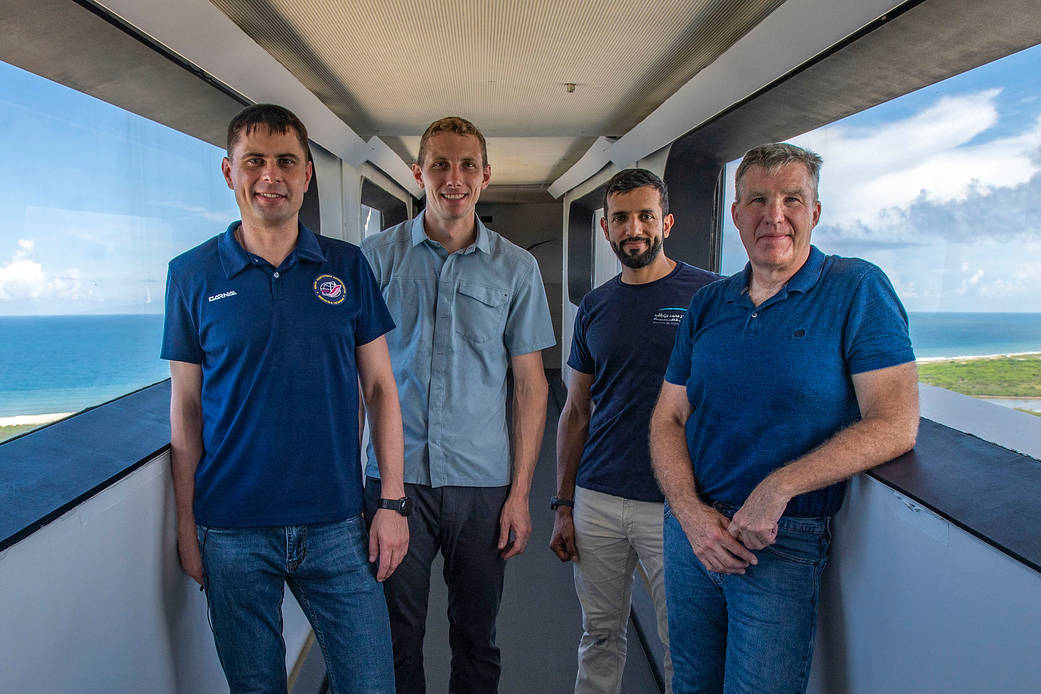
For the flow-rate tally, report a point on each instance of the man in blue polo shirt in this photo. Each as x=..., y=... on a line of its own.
x=468, y=304
x=786, y=379
x=624, y=331
x=269, y=329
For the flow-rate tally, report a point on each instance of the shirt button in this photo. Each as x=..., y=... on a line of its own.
x=276, y=275
x=754, y=315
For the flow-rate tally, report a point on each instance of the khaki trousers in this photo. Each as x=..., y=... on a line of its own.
x=614, y=536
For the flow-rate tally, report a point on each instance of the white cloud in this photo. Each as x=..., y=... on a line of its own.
x=24, y=278
x=870, y=173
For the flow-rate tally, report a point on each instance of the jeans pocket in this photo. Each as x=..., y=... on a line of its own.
x=800, y=546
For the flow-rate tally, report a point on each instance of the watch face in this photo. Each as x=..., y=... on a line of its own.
x=406, y=506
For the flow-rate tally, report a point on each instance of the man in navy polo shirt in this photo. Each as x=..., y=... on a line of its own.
x=786, y=379
x=624, y=331
x=269, y=329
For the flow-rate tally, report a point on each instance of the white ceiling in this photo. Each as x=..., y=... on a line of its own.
x=390, y=68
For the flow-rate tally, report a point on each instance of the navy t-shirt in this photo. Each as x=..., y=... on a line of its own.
x=623, y=336
x=279, y=378
x=769, y=383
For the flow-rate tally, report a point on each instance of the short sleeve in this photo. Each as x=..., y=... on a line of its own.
x=678, y=370
x=529, y=327
x=180, y=334
x=580, y=359
x=876, y=334
x=374, y=318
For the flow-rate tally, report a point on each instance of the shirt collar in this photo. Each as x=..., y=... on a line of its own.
x=234, y=258
x=419, y=234
x=802, y=281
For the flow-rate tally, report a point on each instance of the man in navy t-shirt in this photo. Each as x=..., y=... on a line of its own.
x=609, y=508
x=786, y=379
x=269, y=329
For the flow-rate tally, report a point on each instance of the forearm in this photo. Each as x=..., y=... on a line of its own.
x=572, y=431
x=859, y=447
x=671, y=462
x=529, y=422
x=185, y=452
x=386, y=432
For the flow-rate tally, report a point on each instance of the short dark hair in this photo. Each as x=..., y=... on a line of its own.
x=452, y=124
x=630, y=179
x=772, y=157
x=277, y=119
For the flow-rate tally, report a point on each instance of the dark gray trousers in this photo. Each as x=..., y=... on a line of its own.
x=463, y=524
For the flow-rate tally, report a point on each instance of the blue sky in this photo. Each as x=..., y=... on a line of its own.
x=939, y=188
x=98, y=203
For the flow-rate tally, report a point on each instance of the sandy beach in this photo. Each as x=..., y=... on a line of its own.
x=924, y=360
x=22, y=419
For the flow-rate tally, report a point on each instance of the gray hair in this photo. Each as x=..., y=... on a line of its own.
x=776, y=155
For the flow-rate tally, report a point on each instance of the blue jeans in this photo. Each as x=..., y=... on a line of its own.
x=750, y=633
x=326, y=566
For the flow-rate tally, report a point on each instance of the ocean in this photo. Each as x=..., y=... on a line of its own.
x=68, y=363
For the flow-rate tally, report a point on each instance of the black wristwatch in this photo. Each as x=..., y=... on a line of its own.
x=402, y=505
x=556, y=501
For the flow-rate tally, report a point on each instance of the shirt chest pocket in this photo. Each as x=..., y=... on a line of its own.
x=480, y=311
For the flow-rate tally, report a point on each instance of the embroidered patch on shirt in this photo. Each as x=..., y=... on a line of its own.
x=330, y=289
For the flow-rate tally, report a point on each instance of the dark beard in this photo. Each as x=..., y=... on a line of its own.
x=638, y=260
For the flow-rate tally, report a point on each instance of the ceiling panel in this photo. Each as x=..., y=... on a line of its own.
x=390, y=68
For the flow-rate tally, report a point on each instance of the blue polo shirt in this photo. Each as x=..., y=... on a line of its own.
x=279, y=378
x=767, y=384
x=623, y=336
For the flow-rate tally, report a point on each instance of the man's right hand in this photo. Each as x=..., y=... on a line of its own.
x=713, y=545
x=191, y=557
x=563, y=541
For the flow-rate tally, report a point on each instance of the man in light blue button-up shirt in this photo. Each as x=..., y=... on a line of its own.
x=467, y=304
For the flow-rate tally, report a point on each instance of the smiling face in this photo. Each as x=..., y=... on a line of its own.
x=453, y=174
x=775, y=215
x=269, y=173
x=635, y=227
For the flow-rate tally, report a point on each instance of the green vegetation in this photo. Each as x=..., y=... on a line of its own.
x=1018, y=376
x=15, y=429
x=1036, y=414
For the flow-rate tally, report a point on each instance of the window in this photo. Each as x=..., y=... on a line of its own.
x=371, y=221
x=97, y=201
x=938, y=188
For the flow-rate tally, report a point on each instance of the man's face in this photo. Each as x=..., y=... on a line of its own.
x=269, y=173
x=453, y=175
x=634, y=225
x=775, y=215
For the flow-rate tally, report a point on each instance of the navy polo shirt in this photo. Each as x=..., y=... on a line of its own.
x=279, y=378
x=767, y=384
x=623, y=336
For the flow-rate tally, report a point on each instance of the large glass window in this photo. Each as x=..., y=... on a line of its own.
x=940, y=189
x=96, y=200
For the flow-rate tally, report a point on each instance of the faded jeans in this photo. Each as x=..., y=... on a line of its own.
x=326, y=566
x=750, y=633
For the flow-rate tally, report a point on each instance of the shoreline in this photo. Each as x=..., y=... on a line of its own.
x=970, y=357
x=23, y=419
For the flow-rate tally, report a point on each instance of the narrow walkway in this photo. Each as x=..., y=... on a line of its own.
x=540, y=621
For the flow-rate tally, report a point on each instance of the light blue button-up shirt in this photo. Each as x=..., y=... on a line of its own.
x=460, y=318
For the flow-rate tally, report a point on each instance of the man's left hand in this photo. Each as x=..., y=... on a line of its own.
x=515, y=517
x=755, y=523
x=388, y=541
